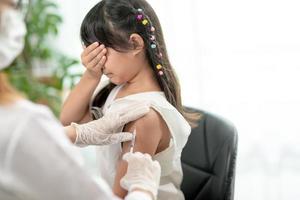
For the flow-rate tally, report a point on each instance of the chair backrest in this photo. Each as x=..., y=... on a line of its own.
x=208, y=160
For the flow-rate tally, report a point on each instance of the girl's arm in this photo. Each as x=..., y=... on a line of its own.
x=152, y=135
x=76, y=106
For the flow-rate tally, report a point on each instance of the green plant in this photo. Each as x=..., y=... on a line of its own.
x=42, y=22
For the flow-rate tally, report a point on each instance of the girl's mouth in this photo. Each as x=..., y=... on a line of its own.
x=109, y=75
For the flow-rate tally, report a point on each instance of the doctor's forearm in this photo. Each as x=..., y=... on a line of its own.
x=71, y=133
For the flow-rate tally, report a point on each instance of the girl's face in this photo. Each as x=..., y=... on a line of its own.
x=120, y=67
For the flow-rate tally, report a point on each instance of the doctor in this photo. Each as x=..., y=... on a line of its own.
x=37, y=160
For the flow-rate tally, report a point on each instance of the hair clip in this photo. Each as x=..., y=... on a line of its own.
x=153, y=46
x=139, y=17
x=145, y=21
x=160, y=73
x=158, y=66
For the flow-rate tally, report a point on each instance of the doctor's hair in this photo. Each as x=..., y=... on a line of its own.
x=14, y=4
x=7, y=92
x=111, y=22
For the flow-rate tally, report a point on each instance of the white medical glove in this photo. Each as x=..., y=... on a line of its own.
x=103, y=131
x=142, y=173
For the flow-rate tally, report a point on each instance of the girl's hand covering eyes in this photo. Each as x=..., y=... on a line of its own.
x=93, y=59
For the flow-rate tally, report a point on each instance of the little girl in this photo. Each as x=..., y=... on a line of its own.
x=133, y=56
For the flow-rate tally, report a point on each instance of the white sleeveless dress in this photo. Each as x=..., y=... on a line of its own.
x=169, y=159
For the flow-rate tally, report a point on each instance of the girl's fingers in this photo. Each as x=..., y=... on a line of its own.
x=93, y=63
x=90, y=48
x=94, y=53
x=102, y=53
x=102, y=61
x=100, y=58
x=100, y=64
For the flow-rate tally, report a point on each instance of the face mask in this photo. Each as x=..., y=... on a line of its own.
x=12, y=32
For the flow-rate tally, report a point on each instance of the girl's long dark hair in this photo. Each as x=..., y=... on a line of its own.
x=111, y=22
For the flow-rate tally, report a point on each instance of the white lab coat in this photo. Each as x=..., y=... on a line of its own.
x=38, y=162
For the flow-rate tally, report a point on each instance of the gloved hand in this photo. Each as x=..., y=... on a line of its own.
x=103, y=131
x=142, y=173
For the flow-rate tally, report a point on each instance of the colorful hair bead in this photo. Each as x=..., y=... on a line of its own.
x=139, y=17
x=158, y=66
x=152, y=37
x=153, y=46
x=152, y=29
x=160, y=55
x=160, y=73
x=145, y=21
x=140, y=10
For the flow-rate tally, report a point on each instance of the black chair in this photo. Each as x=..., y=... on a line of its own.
x=208, y=160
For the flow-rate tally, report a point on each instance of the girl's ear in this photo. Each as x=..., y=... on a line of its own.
x=137, y=42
